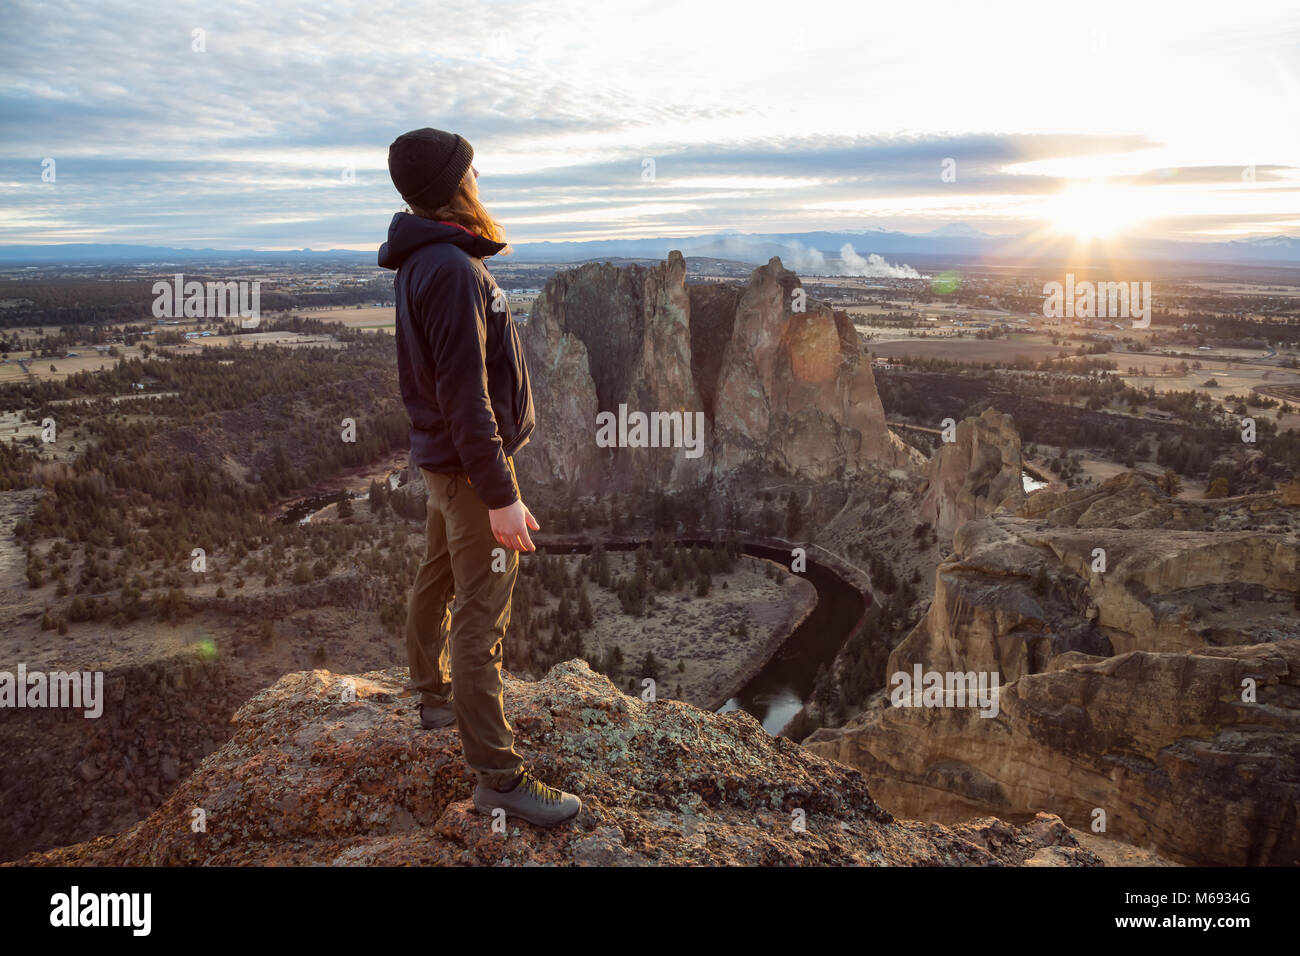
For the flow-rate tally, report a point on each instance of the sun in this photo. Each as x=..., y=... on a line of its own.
x=1092, y=210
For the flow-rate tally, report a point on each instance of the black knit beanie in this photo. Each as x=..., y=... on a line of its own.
x=427, y=165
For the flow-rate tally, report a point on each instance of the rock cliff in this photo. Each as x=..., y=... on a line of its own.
x=324, y=769
x=974, y=475
x=1149, y=655
x=63, y=777
x=784, y=384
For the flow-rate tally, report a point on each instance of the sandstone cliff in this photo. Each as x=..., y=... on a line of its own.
x=974, y=475
x=781, y=389
x=1122, y=682
x=312, y=776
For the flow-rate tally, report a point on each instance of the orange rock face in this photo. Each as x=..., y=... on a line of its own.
x=974, y=475
x=783, y=383
x=1149, y=654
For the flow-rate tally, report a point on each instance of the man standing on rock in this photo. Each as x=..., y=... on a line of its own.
x=465, y=385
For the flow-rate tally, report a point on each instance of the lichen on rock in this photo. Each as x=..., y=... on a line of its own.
x=313, y=776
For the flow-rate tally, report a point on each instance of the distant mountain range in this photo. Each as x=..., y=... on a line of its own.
x=85, y=252
x=797, y=249
x=952, y=241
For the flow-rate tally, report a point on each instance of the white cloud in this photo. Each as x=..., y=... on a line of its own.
x=562, y=100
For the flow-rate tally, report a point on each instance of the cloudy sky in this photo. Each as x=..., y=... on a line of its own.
x=1178, y=120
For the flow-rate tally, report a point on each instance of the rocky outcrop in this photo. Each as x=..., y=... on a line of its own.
x=65, y=777
x=1150, y=668
x=1019, y=591
x=410, y=497
x=600, y=336
x=784, y=384
x=325, y=769
x=1162, y=744
x=795, y=391
x=1290, y=492
x=979, y=472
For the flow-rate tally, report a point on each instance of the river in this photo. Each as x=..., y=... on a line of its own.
x=778, y=691
x=304, y=509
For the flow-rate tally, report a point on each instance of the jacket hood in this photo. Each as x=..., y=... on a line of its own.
x=406, y=233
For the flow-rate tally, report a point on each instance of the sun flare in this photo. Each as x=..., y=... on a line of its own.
x=1092, y=211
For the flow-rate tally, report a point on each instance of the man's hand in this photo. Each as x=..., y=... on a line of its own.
x=510, y=526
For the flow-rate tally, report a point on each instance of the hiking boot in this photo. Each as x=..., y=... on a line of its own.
x=529, y=799
x=431, y=718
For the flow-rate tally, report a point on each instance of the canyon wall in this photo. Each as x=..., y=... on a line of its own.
x=974, y=475
x=784, y=385
x=1148, y=650
x=64, y=777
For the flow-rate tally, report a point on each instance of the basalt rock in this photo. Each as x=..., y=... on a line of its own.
x=63, y=777
x=325, y=769
x=784, y=385
x=1150, y=668
x=411, y=496
x=974, y=475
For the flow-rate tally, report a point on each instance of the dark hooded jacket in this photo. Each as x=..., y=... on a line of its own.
x=459, y=361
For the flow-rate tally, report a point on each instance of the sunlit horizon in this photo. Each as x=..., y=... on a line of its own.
x=1109, y=122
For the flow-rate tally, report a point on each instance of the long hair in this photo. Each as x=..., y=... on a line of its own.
x=465, y=209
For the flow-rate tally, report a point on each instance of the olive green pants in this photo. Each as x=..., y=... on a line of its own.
x=460, y=646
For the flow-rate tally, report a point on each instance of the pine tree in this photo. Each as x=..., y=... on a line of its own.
x=612, y=665
x=584, y=607
x=378, y=496
x=650, y=666
x=793, y=516
x=822, y=687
